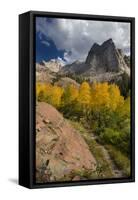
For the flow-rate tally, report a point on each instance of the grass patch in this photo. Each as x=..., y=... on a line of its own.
x=103, y=169
x=122, y=162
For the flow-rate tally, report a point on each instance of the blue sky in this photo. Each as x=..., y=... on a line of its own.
x=68, y=40
x=46, y=49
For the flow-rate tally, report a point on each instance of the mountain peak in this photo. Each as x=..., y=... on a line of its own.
x=108, y=43
x=106, y=58
x=95, y=45
x=100, y=59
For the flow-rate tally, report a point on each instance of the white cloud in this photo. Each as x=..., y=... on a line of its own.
x=62, y=62
x=77, y=36
x=45, y=43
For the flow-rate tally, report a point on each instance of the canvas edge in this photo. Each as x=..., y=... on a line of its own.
x=31, y=143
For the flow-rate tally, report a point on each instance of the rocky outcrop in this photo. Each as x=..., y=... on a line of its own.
x=66, y=81
x=53, y=65
x=76, y=67
x=44, y=74
x=60, y=149
x=46, y=71
x=127, y=60
x=105, y=58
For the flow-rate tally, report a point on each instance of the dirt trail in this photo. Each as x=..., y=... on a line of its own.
x=117, y=172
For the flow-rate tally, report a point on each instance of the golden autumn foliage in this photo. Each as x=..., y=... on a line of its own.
x=84, y=97
x=70, y=94
x=106, y=95
x=98, y=95
x=48, y=93
x=99, y=106
x=115, y=97
x=43, y=91
x=124, y=110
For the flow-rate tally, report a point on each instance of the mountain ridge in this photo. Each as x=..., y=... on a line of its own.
x=103, y=63
x=100, y=59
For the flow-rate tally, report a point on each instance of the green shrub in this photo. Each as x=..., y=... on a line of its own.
x=110, y=136
x=122, y=161
x=119, y=139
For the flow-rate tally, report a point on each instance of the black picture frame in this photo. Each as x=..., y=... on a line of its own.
x=27, y=98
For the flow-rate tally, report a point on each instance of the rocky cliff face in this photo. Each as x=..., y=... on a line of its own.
x=53, y=65
x=66, y=81
x=76, y=67
x=44, y=74
x=127, y=60
x=60, y=149
x=106, y=58
x=101, y=59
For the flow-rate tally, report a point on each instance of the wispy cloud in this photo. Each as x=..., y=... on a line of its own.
x=45, y=43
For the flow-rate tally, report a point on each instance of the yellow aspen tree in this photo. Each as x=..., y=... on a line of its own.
x=100, y=95
x=84, y=97
x=124, y=109
x=38, y=87
x=47, y=88
x=56, y=94
x=40, y=91
x=70, y=94
x=43, y=91
x=115, y=97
